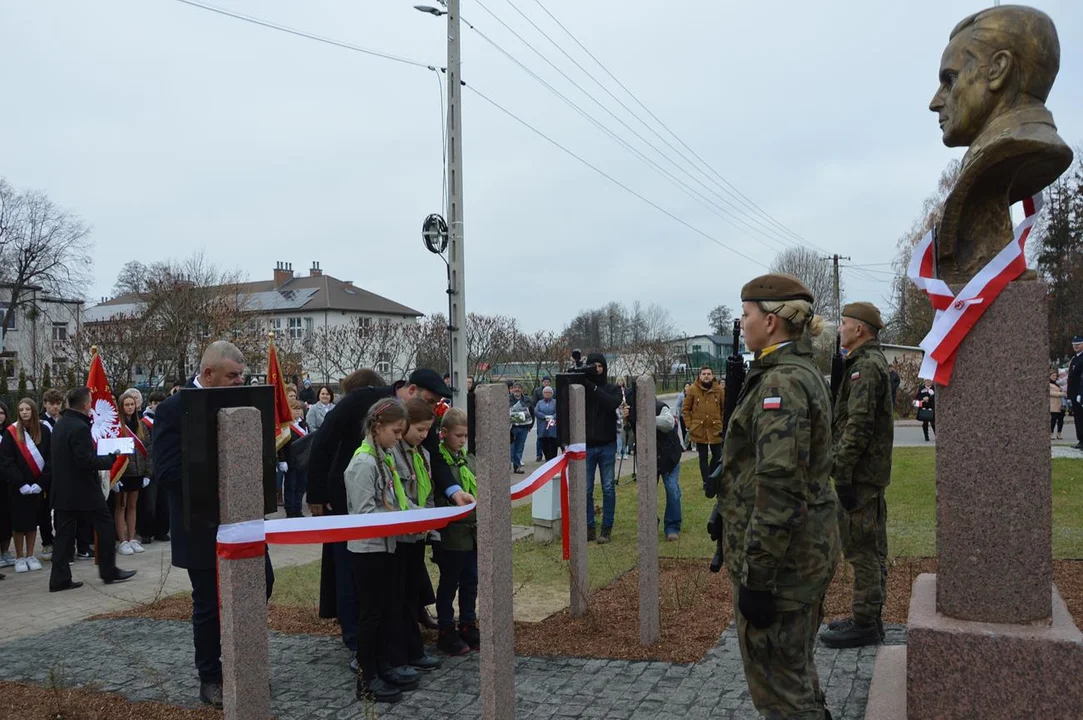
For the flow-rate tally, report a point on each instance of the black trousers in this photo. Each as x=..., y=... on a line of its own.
x=549, y=447
x=206, y=632
x=66, y=523
x=704, y=464
x=45, y=521
x=377, y=593
x=1077, y=413
x=1056, y=421
x=152, y=520
x=925, y=425
x=410, y=557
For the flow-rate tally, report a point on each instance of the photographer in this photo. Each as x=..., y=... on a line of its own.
x=602, y=401
x=577, y=361
x=669, y=460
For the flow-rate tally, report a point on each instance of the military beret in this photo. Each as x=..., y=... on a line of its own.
x=775, y=286
x=865, y=312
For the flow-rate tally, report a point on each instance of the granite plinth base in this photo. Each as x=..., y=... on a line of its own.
x=546, y=531
x=994, y=507
x=960, y=669
x=887, y=693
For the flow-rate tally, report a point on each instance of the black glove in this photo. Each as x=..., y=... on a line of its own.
x=847, y=498
x=758, y=606
x=714, y=525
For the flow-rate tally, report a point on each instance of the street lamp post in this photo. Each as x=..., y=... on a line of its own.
x=456, y=259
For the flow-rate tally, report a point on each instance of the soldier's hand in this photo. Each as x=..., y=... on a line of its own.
x=758, y=606
x=847, y=498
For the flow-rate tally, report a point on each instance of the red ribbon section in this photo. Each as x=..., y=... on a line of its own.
x=242, y=551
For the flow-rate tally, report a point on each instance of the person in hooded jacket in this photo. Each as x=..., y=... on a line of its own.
x=602, y=401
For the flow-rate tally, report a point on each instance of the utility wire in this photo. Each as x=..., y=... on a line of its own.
x=767, y=216
x=728, y=216
x=301, y=33
x=607, y=176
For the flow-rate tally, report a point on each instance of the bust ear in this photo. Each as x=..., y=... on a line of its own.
x=1000, y=67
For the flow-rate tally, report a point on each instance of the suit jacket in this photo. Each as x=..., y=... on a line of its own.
x=75, y=464
x=1075, y=374
x=14, y=468
x=192, y=548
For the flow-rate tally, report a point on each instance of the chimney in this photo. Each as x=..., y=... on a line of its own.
x=315, y=270
x=283, y=273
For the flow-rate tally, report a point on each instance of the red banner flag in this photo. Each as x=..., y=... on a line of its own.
x=283, y=414
x=104, y=418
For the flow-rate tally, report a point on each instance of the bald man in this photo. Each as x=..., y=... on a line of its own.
x=193, y=549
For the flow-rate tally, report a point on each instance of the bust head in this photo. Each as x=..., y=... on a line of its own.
x=997, y=60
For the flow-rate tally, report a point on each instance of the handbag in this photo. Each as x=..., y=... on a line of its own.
x=925, y=415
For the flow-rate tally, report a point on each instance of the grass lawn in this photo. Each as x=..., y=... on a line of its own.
x=911, y=499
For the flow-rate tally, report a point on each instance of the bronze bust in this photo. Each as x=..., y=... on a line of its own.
x=995, y=76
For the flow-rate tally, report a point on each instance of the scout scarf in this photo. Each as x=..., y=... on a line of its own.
x=29, y=450
x=466, y=476
x=396, y=481
x=421, y=472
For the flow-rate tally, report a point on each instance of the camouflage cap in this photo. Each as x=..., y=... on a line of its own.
x=865, y=312
x=775, y=286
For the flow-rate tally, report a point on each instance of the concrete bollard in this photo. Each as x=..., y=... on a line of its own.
x=495, y=588
x=647, y=481
x=242, y=583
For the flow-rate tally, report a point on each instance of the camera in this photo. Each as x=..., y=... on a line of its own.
x=577, y=361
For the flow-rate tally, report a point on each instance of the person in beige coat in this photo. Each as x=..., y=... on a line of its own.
x=702, y=412
x=1056, y=406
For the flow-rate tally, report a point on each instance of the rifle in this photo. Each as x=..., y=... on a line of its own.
x=838, y=367
x=735, y=381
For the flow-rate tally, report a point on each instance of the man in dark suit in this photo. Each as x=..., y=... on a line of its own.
x=77, y=493
x=194, y=549
x=332, y=449
x=1075, y=388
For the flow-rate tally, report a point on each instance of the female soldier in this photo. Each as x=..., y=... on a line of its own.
x=779, y=509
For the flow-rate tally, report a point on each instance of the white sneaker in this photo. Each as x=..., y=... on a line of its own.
x=33, y=563
x=4, y=562
x=9, y=559
x=21, y=566
x=137, y=546
x=47, y=552
x=126, y=548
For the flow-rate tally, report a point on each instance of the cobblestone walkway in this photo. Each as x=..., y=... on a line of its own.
x=152, y=660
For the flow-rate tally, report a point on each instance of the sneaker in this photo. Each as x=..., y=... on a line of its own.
x=210, y=693
x=125, y=548
x=402, y=677
x=606, y=536
x=47, y=552
x=146, y=540
x=850, y=634
x=354, y=665
x=673, y=537
x=538, y=459
x=84, y=555
x=377, y=689
x=590, y=535
x=33, y=563
x=137, y=546
x=4, y=562
x=425, y=663
x=471, y=635
x=21, y=566
x=451, y=643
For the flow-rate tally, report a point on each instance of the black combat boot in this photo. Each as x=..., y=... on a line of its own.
x=471, y=635
x=850, y=634
x=450, y=643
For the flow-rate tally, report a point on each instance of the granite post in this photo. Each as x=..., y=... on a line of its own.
x=579, y=577
x=494, y=554
x=647, y=480
x=242, y=584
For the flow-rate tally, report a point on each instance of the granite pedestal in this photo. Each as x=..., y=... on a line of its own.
x=647, y=474
x=578, y=573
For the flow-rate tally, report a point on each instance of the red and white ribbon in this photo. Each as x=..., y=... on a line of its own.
x=575, y=451
x=956, y=315
x=248, y=539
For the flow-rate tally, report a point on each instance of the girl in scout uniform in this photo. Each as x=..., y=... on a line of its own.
x=412, y=464
x=457, y=553
x=374, y=486
x=779, y=509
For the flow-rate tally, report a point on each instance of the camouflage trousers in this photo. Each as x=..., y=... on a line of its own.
x=778, y=660
x=864, y=543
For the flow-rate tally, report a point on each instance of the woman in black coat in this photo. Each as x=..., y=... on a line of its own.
x=7, y=558
x=24, y=463
x=926, y=405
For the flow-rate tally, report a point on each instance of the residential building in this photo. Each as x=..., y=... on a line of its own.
x=37, y=334
x=328, y=326
x=692, y=352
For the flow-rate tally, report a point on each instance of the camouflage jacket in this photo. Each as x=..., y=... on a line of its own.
x=864, y=423
x=777, y=503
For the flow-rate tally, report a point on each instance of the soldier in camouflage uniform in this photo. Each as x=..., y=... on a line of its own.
x=864, y=430
x=779, y=510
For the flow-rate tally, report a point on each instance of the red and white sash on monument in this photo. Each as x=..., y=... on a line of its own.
x=29, y=451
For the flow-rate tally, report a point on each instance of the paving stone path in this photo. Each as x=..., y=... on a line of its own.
x=152, y=660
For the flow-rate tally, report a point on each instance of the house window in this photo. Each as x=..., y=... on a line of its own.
x=11, y=320
x=308, y=326
x=364, y=327
x=383, y=363
x=696, y=348
x=294, y=326
x=60, y=332
x=60, y=366
x=8, y=362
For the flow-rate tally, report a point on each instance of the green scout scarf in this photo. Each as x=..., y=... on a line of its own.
x=424, y=483
x=400, y=493
x=466, y=477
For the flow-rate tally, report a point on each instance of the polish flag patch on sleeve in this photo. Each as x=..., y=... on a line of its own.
x=855, y=375
x=772, y=403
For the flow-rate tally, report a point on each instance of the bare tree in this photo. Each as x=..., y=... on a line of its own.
x=489, y=339
x=817, y=274
x=43, y=247
x=720, y=320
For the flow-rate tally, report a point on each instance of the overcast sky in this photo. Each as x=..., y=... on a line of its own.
x=171, y=130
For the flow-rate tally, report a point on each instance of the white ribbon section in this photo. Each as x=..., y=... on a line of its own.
x=242, y=532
